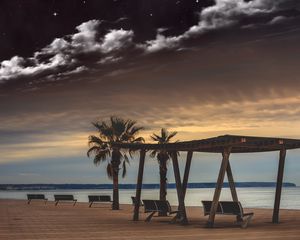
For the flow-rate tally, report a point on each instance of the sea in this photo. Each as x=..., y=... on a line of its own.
x=251, y=197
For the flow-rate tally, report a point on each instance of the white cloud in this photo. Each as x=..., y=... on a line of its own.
x=16, y=66
x=58, y=45
x=223, y=14
x=12, y=66
x=109, y=59
x=278, y=19
x=62, y=52
x=228, y=12
x=115, y=40
x=85, y=40
x=161, y=42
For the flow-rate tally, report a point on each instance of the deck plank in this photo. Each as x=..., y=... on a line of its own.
x=39, y=221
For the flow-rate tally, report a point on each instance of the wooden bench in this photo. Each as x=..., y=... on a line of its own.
x=229, y=208
x=68, y=198
x=98, y=198
x=157, y=206
x=36, y=197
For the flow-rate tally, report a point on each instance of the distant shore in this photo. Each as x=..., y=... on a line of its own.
x=133, y=186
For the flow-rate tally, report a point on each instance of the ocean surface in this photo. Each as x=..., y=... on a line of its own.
x=249, y=197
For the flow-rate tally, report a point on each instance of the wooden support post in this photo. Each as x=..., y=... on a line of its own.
x=139, y=185
x=180, y=196
x=224, y=164
x=282, y=155
x=231, y=183
x=232, y=187
x=186, y=172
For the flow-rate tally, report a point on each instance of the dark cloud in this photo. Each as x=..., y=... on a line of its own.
x=94, y=46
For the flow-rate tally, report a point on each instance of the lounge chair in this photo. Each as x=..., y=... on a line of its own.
x=157, y=206
x=36, y=197
x=230, y=208
x=67, y=198
x=98, y=198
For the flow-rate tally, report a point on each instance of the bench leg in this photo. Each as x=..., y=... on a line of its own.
x=56, y=202
x=239, y=219
x=91, y=204
x=245, y=223
x=149, y=217
x=74, y=203
x=174, y=219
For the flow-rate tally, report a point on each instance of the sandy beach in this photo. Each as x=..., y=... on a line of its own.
x=39, y=221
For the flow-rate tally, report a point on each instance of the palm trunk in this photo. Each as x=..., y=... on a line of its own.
x=115, y=205
x=163, y=183
x=116, y=155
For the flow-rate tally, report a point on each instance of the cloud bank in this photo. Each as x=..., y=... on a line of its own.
x=62, y=55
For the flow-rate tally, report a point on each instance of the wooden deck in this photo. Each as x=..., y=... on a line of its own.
x=39, y=221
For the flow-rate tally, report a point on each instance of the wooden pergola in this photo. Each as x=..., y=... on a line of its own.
x=225, y=145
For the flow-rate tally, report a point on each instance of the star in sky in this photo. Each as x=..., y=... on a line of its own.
x=55, y=14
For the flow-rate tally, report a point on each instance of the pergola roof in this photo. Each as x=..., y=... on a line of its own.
x=239, y=144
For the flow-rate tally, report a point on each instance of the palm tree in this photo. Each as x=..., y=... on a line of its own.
x=162, y=158
x=116, y=130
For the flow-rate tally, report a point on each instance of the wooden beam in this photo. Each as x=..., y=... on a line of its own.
x=180, y=196
x=282, y=155
x=139, y=185
x=224, y=164
x=231, y=183
x=187, y=172
x=232, y=187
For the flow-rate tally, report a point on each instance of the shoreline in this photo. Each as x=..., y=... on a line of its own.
x=262, y=198
x=132, y=186
x=130, y=205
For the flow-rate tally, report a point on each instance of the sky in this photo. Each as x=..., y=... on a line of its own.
x=202, y=68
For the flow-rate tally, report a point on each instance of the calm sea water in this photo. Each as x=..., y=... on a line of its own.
x=249, y=197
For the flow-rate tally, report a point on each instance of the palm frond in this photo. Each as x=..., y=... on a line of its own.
x=129, y=124
x=171, y=135
x=126, y=159
x=139, y=140
x=94, y=149
x=124, y=169
x=118, y=126
x=153, y=153
x=104, y=130
x=95, y=140
x=156, y=138
x=135, y=130
x=109, y=171
x=101, y=156
x=164, y=134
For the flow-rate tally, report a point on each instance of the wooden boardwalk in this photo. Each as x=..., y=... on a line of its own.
x=38, y=221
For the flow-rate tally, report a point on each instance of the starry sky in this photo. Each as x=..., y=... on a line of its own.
x=200, y=67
